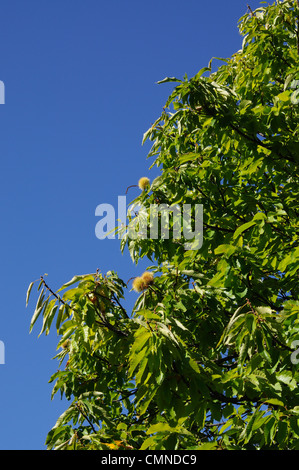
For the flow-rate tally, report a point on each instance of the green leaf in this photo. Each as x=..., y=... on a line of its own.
x=169, y=79
x=244, y=227
x=28, y=292
x=208, y=446
x=249, y=427
x=270, y=430
x=150, y=395
x=250, y=321
x=287, y=378
x=150, y=441
x=282, y=432
x=203, y=70
x=159, y=427
x=207, y=358
x=243, y=350
x=285, y=96
x=274, y=401
x=179, y=324
x=48, y=315
x=38, y=309
x=142, y=367
x=194, y=365
x=188, y=157
x=227, y=249
x=60, y=316
x=141, y=338
x=74, y=280
x=135, y=360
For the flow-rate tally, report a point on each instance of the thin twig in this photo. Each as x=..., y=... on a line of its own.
x=119, y=304
x=85, y=417
x=50, y=290
x=249, y=8
x=57, y=296
x=132, y=186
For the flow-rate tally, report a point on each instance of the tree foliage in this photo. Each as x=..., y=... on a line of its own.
x=207, y=358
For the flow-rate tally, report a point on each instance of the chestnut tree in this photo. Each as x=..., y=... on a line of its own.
x=208, y=357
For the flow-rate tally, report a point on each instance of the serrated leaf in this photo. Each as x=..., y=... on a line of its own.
x=75, y=279
x=150, y=441
x=135, y=361
x=148, y=399
x=226, y=249
x=169, y=79
x=230, y=324
x=142, y=367
x=39, y=307
x=274, y=401
x=287, y=378
x=141, y=338
x=208, y=446
x=250, y=321
x=193, y=364
x=48, y=315
x=28, y=292
x=159, y=427
x=243, y=227
x=179, y=324
x=243, y=350
x=264, y=310
x=270, y=429
x=249, y=427
x=65, y=416
x=59, y=316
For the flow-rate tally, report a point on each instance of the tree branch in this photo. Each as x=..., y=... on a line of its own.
x=85, y=416
x=119, y=304
x=261, y=143
x=57, y=296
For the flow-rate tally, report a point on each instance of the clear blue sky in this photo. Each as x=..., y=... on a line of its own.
x=80, y=89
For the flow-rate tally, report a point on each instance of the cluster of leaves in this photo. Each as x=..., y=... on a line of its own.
x=206, y=359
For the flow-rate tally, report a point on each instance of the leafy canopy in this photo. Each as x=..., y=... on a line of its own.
x=207, y=358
